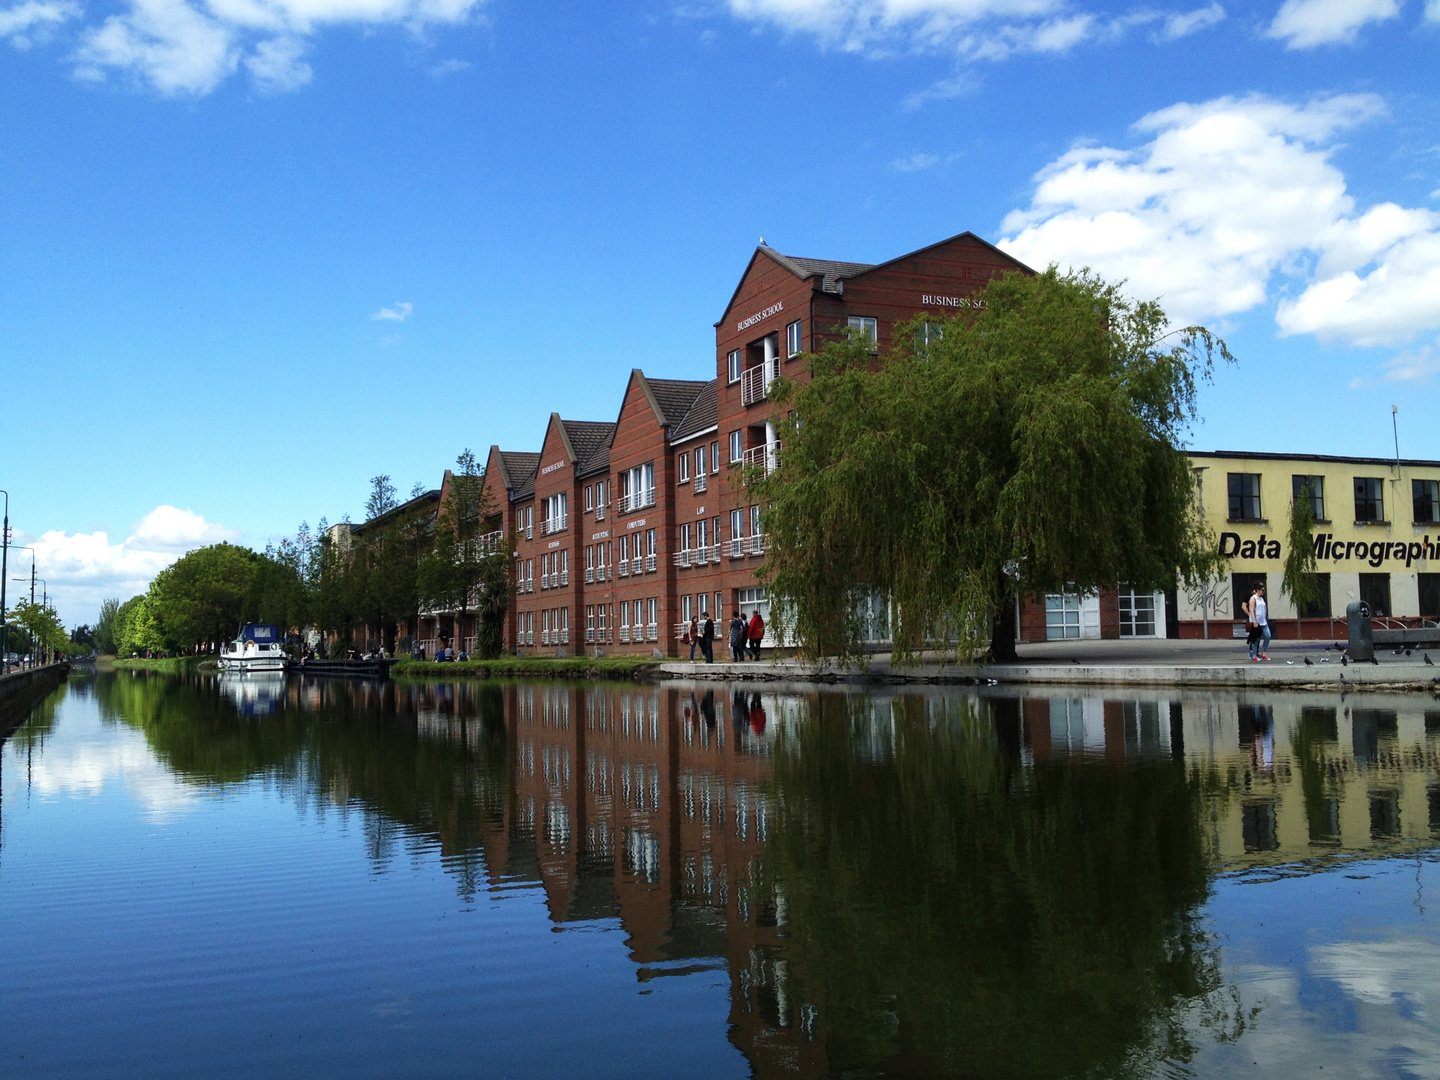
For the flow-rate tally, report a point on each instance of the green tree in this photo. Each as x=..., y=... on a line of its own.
x=382, y=497
x=140, y=630
x=1300, y=583
x=1030, y=446
x=467, y=565
x=105, y=626
x=41, y=623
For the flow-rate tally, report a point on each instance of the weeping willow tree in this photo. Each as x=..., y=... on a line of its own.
x=1030, y=446
x=1300, y=582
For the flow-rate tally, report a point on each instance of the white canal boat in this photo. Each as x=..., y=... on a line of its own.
x=256, y=649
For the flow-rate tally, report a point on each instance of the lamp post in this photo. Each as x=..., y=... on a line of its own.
x=22, y=547
x=44, y=598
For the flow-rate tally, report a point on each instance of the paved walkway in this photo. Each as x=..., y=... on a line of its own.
x=1115, y=663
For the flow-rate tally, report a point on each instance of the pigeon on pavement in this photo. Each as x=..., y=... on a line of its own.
x=1309, y=662
x=1428, y=660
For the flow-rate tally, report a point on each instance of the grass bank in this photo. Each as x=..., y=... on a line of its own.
x=625, y=668
x=175, y=665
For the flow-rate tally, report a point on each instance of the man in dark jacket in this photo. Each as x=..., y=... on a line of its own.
x=737, y=637
x=707, y=638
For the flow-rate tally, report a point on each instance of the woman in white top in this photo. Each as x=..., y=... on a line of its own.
x=1259, y=613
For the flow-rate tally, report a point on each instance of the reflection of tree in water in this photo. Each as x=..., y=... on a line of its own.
x=341, y=745
x=951, y=912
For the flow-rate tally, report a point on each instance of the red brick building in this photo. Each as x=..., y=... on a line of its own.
x=625, y=530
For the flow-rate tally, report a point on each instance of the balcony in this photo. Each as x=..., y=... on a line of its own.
x=680, y=630
x=765, y=456
x=529, y=532
x=754, y=382
x=623, y=568
x=590, y=636
x=700, y=482
x=715, y=552
x=553, y=525
x=627, y=504
x=702, y=556
x=589, y=575
x=600, y=512
x=652, y=632
x=682, y=559
x=565, y=635
x=565, y=577
x=650, y=563
x=637, y=565
x=544, y=637
x=757, y=544
x=625, y=635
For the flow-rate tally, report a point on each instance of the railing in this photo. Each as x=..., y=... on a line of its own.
x=652, y=632
x=544, y=581
x=565, y=576
x=527, y=638
x=625, y=634
x=766, y=455
x=753, y=384
x=467, y=645
x=429, y=644
x=544, y=637
x=700, y=482
x=650, y=563
x=757, y=544
x=589, y=575
x=623, y=567
x=638, y=501
x=737, y=547
x=682, y=559
x=529, y=532
x=564, y=635
x=600, y=572
x=552, y=525
x=715, y=552
x=637, y=565
x=599, y=511
x=589, y=635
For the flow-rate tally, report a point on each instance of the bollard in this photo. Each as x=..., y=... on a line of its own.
x=1361, y=633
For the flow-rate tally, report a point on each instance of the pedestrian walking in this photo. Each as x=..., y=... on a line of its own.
x=707, y=639
x=738, y=636
x=1259, y=622
x=756, y=632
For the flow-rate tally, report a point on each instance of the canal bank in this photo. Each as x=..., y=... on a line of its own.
x=21, y=689
x=1159, y=663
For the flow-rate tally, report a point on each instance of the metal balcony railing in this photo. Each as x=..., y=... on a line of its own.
x=564, y=635
x=652, y=632
x=589, y=636
x=623, y=567
x=766, y=455
x=757, y=544
x=589, y=575
x=529, y=532
x=625, y=634
x=753, y=384
x=682, y=559
x=565, y=576
x=637, y=565
x=737, y=547
x=650, y=563
x=700, y=482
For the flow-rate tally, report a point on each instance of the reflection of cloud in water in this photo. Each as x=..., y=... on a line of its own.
x=1391, y=973
x=84, y=769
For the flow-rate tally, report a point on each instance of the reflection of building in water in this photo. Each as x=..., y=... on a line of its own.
x=1307, y=776
x=654, y=806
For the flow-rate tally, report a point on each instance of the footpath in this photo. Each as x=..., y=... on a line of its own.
x=1111, y=663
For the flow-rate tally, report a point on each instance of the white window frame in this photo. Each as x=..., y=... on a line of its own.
x=737, y=447
x=715, y=456
x=867, y=325
x=734, y=360
x=793, y=339
x=589, y=498
x=684, y=467
x=700, y=460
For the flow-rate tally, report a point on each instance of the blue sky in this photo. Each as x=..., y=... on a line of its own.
x=254, y=252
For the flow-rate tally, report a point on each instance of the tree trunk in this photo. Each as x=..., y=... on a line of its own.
x=1003, y=628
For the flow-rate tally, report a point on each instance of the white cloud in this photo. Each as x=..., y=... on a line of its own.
x=974, y=29
x=1421, y=365
x=1183, y=24
x=23, y=22
x=914, y=163
x=1227, y=197
x=81, y=569
x=1304, y=24
x=189, y=47
x=76, y=769
x=398, y=313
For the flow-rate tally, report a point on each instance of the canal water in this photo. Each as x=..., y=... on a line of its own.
x=205, y=877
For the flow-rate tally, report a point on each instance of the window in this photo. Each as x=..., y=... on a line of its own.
x=737, y=447
x=715, y=456
x=754, y=521
x=600, y=623
x=564, y=567
x=589, y=498
x=637, y=488
x=927, y=334
x=700, y=461
x=589, y=622
x=1375, y=591
x=702, y=532
x=1320, y=609
x=685, y=609
x=715, y=533
x=1244, y=496
x=792, y=339
x=1426, y=494
x=865, y=326
x=1369, y=499
x=685, y=537
x=703, y=599
x=1137, y=613
x=1316, y=484
x=624, y=548
x=653, y=612
x=1062, y=616
x=735, y=365
x=554, y=519
x=737, y=524
x=684, y=467
x=1429, y=595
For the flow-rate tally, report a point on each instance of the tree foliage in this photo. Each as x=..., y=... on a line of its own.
x=1300, y=582
x=105, y=626
x=1033, y=445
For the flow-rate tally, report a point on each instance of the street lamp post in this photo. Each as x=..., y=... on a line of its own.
x=4, y=573
x=23, y=547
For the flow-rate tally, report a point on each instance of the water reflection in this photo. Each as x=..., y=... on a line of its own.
x=939, y=883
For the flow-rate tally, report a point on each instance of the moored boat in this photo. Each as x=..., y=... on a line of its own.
x=257, y=648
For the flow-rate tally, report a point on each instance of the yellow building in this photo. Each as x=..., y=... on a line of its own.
x=1377, y=538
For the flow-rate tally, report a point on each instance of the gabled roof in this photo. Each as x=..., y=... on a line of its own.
x=672, y=399
x=832, y=272
x=517, y=466
x=587, y=438
x=704, y=414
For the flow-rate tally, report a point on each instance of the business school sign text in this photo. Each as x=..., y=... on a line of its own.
x=961, y=302
x=760, y=316
x=1328, y=549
